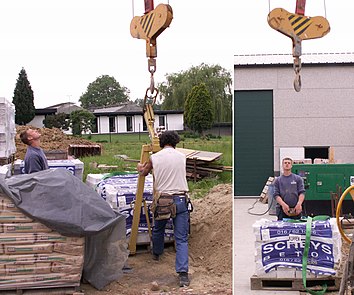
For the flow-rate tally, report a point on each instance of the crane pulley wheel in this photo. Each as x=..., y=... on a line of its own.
x=339, y=209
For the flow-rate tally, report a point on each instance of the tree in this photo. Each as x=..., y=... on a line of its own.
x=23, y=100
x=60, y=121
x=104, y=91
x=217, y=80
x=199, y=109
x=81, y=121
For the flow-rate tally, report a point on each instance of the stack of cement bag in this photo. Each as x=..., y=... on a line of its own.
x=119, y=191
x=33, y=255
x=280, y=245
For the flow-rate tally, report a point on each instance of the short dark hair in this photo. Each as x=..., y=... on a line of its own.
x=24, y=137
x=288, y=159
x=169, y=138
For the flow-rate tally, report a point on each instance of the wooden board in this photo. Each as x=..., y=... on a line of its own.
x=200, y=155
x=44, y=291
x=294, y=284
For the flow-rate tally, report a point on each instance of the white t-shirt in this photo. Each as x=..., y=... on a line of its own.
x=169, y=169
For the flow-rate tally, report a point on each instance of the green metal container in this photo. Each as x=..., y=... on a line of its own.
x=324, y=184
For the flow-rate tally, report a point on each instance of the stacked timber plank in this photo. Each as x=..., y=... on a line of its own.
x=201, y=164
x=32, y=255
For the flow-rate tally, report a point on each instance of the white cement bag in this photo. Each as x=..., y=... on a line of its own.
x=281, y=244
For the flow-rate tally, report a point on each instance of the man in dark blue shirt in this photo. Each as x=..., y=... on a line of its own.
x=35, y=159
x=289, y=192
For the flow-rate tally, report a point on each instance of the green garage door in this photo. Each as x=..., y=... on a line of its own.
x=253, y=141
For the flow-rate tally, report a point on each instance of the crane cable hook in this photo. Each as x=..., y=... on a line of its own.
x=297, y=69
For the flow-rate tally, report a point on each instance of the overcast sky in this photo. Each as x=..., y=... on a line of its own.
x=66, y=44
x=254, y=35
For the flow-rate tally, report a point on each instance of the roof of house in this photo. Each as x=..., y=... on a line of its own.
x=65, y=107
x=128, y=108
x=249, y=60
x=124, y=108
x=45, y=111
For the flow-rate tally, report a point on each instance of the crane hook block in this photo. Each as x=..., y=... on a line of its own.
x=151, y=25
x=296, y=26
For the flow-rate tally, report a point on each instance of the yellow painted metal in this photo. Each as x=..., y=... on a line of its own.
x=148, y=27
x=151, y=25
x=298, y=26
x=338, y=212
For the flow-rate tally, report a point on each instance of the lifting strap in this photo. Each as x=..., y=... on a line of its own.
x=306, y=250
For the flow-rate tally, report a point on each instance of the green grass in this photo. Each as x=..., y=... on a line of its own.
x=130, y=145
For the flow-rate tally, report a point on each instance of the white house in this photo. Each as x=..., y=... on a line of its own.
x=128, y=118
x=272, y=120
x=123, y=118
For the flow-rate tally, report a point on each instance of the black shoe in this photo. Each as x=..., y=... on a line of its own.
x=155, y=257
x=183, y=279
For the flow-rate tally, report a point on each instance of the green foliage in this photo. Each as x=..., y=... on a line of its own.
x=104, y=91
x=217, y=80
x=57, y=121
x=23, y=100
x=131, y=145
x=198, y=113
x=81, y=121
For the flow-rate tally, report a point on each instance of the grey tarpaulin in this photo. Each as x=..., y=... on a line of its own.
x=65, y=204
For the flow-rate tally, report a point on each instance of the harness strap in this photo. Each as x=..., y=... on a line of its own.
x=306, y=251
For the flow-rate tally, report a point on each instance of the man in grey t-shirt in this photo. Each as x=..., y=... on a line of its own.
x=35, y=159
x=289, y=192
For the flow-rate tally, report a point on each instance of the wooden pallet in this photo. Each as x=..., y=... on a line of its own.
x=43, y=291
x=294, y=284
x=7, y=160
x=264, y=196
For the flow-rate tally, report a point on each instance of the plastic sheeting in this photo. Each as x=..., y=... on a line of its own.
x=65, y=204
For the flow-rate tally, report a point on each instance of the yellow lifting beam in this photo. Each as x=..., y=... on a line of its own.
x=298, y=27
x=148, y=27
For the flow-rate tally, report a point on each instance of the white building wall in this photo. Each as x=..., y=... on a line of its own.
x=37, y=121
x=104, y=124
x=136, y=121
x=319, y=115
x=174, y=122
x=122, y=124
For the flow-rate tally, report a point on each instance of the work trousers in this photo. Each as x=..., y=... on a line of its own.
x=180, y=230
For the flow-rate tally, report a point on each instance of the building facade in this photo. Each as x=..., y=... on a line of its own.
x=272, y=120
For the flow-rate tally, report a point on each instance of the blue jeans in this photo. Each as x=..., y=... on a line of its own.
x=180, y=230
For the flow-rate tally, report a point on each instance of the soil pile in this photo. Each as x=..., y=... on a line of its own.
x=211, y=231
x=52, y=139
x=210, y=253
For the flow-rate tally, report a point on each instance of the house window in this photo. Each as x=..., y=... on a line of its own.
x=314, y=152
x=95, y=125
x=129, y=123
x=144, y=125
x=162, y=121
x=112, y=124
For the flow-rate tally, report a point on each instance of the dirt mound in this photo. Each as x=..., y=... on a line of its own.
x=52, y=139
x=211, y=231
x=210, y=252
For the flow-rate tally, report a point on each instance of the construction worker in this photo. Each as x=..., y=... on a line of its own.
x=170, y=200
x=35, y=159
x=289, y=192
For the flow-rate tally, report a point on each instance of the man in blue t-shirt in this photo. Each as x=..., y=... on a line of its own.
x=35, y=159
x=289, y=192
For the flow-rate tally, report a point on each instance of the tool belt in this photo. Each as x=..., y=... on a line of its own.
x=163, y=206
